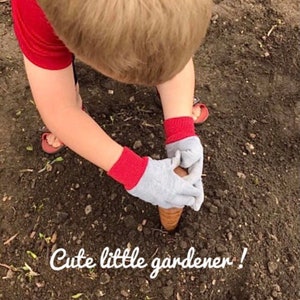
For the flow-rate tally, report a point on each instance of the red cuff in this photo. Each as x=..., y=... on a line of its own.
x=179, y=128
x=129, y=168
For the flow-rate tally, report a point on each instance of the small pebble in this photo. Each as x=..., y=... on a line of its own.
x=221, y=249
x=140, y=227
x=202, y=288
x=137, y=144
x=88, y=209
x=241, y=175
x=213, y=209
x=145, y=288
x=203, y=253
x=104, y=278
x=249, y=147
x=274, y=294
x=272, y=267
x=232, y=212
x=124, y=293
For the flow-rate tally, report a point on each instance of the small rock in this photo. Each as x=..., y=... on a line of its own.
x=113, y=196
x=88, y=209
x=218, y=203
x=272, y=267
x=221, y=249
x=213, y=209
x=124, y=293
x=178, y=296
x=168, y=292
x=54, y=237
x=140, y=227
x=145, y=288
x=229, y=236
x=104, y=278
x=241, y=175
x=203, y=253
x=276, y=288
x=275, y=294
x=202, y=288
x=137, y=144
x=232, y=212
x=249, y=147
x=99, y=293
x=207, y=204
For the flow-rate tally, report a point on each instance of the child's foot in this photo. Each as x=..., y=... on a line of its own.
x=196, y=112
x=50, y=143
x=200, y=112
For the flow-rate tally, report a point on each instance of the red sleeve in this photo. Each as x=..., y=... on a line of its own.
x=36, y=37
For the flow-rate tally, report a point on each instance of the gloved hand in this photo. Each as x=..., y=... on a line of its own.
x=154, y=181
x=180, y=135
x=191, y=152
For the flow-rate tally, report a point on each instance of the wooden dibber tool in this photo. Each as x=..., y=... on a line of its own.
x=170, y=217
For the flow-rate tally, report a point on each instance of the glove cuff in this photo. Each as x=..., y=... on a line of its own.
x=179, y=128
x=129, y=168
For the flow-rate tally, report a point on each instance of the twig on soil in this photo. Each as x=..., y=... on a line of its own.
x=5, y=90
x=10, y=239
x=26, y=170
x=271, y=30
x=6, y=266
x=155, y=252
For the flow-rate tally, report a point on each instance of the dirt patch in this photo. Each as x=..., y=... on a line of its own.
x=248, y=73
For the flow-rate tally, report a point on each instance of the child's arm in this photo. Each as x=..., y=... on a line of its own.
x=55, y=96
x=177, y=94
x=177, y=97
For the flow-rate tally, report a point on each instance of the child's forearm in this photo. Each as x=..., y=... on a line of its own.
x=83, y=135
x=177, y=94
x=56, y=100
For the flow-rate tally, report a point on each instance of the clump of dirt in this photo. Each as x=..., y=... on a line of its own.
x=248, y=75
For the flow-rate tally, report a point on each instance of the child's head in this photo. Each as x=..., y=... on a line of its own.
x=135, y=41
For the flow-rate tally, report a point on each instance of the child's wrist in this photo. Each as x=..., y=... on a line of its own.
x=178, y=128
x=129, y=168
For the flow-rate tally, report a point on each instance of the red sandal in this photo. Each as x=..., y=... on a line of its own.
x=204, y=113
x=46, y=147
x=44, y=143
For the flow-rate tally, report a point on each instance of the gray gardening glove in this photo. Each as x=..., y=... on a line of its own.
x=159, y=185
x=191, y=152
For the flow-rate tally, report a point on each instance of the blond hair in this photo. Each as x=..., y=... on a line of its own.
x=135, y=41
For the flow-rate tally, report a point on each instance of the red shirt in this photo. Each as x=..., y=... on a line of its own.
x=36, y=37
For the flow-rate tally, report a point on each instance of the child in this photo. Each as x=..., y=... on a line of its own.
x=133, y=41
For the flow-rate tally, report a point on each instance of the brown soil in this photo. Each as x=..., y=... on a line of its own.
x=248, y=74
